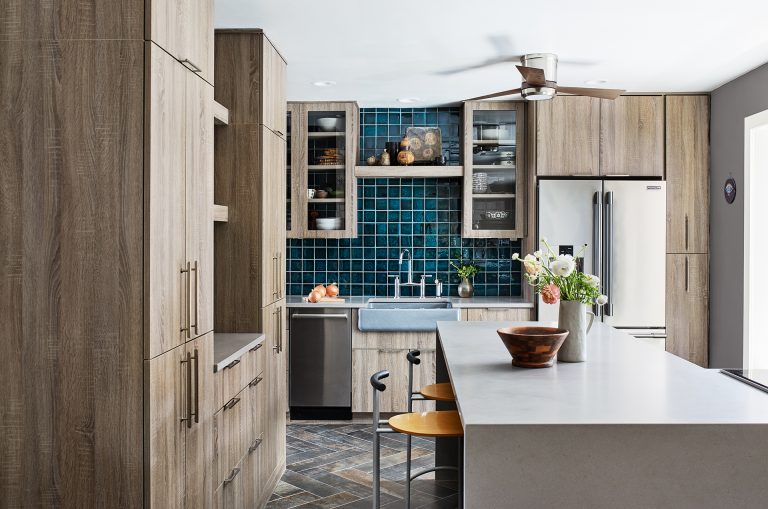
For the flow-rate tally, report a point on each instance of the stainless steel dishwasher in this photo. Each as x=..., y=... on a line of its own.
x=320, y=370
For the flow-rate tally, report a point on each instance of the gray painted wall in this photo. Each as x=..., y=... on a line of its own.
x=731, y=103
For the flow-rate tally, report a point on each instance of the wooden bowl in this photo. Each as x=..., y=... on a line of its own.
x=532, y=347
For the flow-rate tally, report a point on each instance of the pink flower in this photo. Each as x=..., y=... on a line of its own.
x=550, y=293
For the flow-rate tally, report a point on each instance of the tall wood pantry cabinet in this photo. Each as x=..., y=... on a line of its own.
x=250, y=164
x=106, y=247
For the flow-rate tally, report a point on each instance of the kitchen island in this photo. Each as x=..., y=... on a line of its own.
x=631, y=427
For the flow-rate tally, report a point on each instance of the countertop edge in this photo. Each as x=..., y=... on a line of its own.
x=241, y=348
x=294, y=301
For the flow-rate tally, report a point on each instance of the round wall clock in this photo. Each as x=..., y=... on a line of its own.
x=729, y=190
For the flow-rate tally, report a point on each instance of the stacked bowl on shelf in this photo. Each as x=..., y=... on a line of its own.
x=329, y=223
x=479, y=183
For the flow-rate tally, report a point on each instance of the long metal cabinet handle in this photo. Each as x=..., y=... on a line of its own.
x=196, y=359
x=280, y=324
x=188, y=418
x=274, y=276
x=319, y=315
x=596, y=206
x=607, y=266
x=185, y=320
x=280, y=275
x=686, y=274
x=276, y=346
x=686, y=232
x=195, y=267
x=190, y=65
x=231, y=476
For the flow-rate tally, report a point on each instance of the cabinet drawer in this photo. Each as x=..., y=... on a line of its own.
x=504, y=314
x=231, y=431
x=255, y=403
x=239, y=373
x=231, y=494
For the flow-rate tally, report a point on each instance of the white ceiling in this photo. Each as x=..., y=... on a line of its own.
x=380, y=51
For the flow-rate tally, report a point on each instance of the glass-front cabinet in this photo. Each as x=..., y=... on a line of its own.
x=323, y=147
x=494, y=176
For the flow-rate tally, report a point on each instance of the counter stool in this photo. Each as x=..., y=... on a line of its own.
x=431, y=392
x=436, y=424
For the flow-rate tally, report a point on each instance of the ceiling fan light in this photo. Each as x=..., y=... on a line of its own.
x=538, y=93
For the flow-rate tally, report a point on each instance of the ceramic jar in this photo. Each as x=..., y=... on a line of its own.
x=577, y=320
x=466, y=289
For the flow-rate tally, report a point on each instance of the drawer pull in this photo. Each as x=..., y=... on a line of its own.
x=231, y=403
x=190, y=65
x=255, y=381
x=231, y=476
x=255, y=445
x=232, y=364
x=256, y=347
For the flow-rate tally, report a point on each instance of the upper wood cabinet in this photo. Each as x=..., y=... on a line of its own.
x=184, y=28
x=688, y=307
x=179, y=177
x=494, y=190
x=687, y=158
x=568, y=136
x=323, y=147
x=257, y=96
x=632, y=136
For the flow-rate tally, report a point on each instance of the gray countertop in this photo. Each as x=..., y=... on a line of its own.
x=297, y=301
x=624, y=381
x=228, y=347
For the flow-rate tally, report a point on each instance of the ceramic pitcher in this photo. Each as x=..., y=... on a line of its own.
x=577, y=320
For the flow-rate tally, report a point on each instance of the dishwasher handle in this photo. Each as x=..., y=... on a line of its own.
x=320, y=315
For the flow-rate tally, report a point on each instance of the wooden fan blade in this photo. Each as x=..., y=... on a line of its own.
x=532, y=75
x=497, y=94
x=600, y=93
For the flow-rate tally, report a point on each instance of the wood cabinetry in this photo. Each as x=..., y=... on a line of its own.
x=687, y=156
x=568, y=136
x=257, y=96
x=500, y=314
x=688, y=307
x=632, y=136
x=322, y=158
x=179, y=218
x=183, y=28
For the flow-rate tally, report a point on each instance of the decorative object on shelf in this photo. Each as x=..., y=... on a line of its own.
x=466, y=271
x=321, y=193
x=330, y=157
x=328, y=124
x=496, y=215
x=405, y=156
x=311, y=193
x=371, y=161
x=425, y=143
x=502, y=185
x=313, y=215
x=479, y=182
x=729, y=190
x=557, y=279
x=392, y=148
x=384, y=160
x=329, y=223
x=532, y=347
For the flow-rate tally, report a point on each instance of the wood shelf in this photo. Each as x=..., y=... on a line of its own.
x=326, y=200
x=322, y=167
x=494, y=167
x=220, y=114
x=493, y=196
x=321, y=134
x=494, y=142
x=220, y=213
x=408, y=171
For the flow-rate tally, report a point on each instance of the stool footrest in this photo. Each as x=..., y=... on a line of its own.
x=433, y=469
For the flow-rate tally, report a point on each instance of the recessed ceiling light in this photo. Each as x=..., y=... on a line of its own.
x=324, y=83
x=595, y=82
x=408, y=100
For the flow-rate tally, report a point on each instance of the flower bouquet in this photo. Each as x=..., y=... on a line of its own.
x=557, y=279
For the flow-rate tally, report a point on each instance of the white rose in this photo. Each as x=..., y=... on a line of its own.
x=593, y=280
x=563, y=265
x=537, y=254
x=602, y=300
x=532, y=265
x=515, y=256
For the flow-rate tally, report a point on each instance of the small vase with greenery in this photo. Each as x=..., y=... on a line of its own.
x=466, y=271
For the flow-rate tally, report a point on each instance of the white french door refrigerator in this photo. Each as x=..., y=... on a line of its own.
x=623, y=225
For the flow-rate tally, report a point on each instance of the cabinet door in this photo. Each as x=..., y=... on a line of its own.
x=688, y=307
x=273, y=86
x=367, y=361
x=166, y=305
x=568, y=136
x=273, y=215
x=200, y=472
x=632, y=136
x=199, y=199
x=506, y=314
x=231, y=493
x=184, y=28
x=168, y=378
x=687, y=174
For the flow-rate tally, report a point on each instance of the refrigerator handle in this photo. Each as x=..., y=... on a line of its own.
x=597, y=204
x=608, y=250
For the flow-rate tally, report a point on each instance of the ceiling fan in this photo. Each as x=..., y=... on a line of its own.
x=539, y=72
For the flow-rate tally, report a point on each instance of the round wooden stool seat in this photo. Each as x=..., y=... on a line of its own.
x=439, y=424
x=438, y=392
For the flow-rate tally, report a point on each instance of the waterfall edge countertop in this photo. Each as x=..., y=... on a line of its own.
x=297, y=301
x=230, y=346
x=632, y=427
x=624, y=381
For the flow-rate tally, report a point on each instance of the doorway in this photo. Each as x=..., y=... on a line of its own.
x=755, y=240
